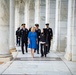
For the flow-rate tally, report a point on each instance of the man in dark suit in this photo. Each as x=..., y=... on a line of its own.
x=24, y=38
x=38, y=31
x=18, y=36
x=49, y=36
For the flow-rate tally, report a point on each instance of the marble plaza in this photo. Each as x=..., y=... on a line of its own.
x=53, y=64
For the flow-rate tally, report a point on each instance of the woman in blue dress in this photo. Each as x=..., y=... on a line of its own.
x=32, y=40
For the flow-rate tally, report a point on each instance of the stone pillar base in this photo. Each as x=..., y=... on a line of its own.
x=5, y=58
x=68, y=56
x=12, y=50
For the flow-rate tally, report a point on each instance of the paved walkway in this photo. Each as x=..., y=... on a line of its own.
x=53, y=64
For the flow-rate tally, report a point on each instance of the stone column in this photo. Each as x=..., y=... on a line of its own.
x=71, y=46
x=31, y=12
x=47, y=11
x=57, y=22
x=16, y=18
x=12, y=25
x=37, y=11
x=17, y=15
x=74, y=32
x=4, y=30
x=21, y=12
x=26, y=13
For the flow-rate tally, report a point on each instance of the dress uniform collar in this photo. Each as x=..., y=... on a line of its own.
x=47, y=28
x=23, y=28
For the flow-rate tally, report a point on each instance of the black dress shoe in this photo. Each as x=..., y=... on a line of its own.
x=45, y=55
x=42, y=55
x=34, y=51
x=26, y=51
x=23, y=53
x=37, y=52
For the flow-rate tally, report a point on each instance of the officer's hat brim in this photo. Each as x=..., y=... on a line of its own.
x=47, y=24
x=36, y=24
x=23, y=24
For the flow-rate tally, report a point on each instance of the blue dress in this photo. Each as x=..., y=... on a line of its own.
x=33, y=40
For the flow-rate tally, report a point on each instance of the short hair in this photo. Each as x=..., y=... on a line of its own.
x=33, y=29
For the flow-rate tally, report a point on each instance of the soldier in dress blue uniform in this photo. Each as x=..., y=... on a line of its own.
x=24, y=38
x=38, y=31
x=49, y=34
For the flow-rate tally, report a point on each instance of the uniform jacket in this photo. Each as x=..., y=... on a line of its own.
x=24, y=34
x=38, y=33
x=49, y=33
